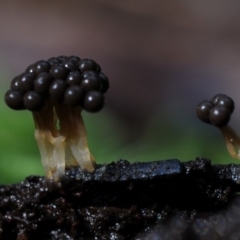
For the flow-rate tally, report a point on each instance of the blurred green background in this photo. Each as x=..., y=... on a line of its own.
x=162, y=58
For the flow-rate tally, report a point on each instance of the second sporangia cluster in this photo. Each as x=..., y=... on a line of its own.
x=217, y=111
x=64, y=80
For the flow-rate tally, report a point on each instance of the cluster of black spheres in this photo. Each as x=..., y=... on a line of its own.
x=65, y=80
x=217, y=111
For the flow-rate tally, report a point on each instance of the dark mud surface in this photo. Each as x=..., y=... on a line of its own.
x=155, y=200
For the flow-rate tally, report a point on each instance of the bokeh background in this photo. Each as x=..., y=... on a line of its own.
x=162, y=58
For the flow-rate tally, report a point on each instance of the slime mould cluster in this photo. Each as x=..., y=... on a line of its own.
x=119, y=200
x=56, y=91
x=217, y=112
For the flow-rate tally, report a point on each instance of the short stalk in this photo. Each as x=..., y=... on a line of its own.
x=232, y=141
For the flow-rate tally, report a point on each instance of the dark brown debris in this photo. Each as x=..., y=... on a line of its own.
x=118, y=201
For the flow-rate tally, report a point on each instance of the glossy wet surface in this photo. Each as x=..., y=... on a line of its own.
x=158, y=200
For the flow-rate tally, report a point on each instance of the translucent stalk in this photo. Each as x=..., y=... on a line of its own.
x=63, y=147
x=45, y=135
x=232, y=141
x=73, y=129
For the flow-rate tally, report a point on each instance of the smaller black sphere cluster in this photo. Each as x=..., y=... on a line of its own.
x=217, y=111
x=68, y=80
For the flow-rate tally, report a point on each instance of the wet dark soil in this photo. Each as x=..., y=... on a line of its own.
x=118, y=201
